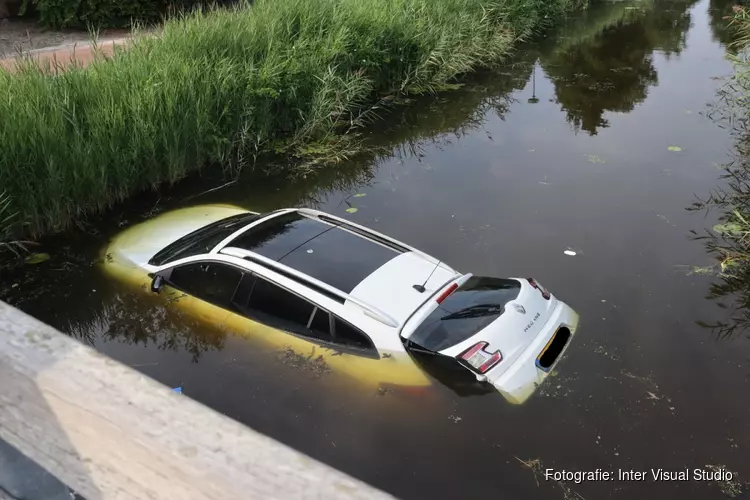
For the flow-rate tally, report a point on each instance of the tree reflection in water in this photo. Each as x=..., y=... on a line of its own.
x=608, y=67
x=132, y=318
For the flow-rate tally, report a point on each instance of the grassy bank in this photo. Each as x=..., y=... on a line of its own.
x=217, y=88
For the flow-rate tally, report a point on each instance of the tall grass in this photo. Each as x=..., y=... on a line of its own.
x=729, y=241
x=222, y=86
x=8, y=227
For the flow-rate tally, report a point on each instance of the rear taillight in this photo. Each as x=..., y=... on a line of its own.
x=447, y=292
x=479, y=359
x=539, y=287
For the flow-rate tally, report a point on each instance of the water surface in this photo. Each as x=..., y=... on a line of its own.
x=593, y=140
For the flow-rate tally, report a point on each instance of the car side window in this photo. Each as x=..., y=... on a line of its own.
x=212, y=282
x=347, y=335
x=320, y=326
x=278, y=307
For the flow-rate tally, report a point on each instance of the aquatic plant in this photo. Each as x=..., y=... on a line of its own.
x=729, y=240
x=221, y=87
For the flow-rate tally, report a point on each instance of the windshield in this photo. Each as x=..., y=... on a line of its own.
x=203, y=240
x=465, y=312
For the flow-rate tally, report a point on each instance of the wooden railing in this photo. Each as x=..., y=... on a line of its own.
x=109, y=432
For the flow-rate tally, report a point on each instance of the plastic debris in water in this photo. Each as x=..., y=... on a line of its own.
x=569, y=252
x=178, y=390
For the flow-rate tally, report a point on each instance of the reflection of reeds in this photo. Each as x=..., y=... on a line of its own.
x=130, y=319
x=729, y=241
x=217, y=88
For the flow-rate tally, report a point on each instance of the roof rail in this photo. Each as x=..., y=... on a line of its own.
x=369, y=310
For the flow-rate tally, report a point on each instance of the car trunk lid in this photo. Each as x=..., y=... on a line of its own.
x=483, y=317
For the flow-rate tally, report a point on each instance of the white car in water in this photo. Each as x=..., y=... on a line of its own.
x=365, y=303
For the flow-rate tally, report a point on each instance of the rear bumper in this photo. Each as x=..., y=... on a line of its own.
x=519, y=382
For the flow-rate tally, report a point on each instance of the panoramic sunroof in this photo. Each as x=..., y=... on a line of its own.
x=324, y=251
x=278, y=236
x=339, y=258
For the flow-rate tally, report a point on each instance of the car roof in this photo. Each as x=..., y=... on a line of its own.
x=359, y=262
x=323, y=250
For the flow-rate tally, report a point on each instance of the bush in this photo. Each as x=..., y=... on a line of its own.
x=223, y=85
x=104, y=13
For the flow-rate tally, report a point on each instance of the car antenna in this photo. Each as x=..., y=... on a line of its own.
x=421, y=288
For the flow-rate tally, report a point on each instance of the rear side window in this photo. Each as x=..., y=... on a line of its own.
x=349, y=336
x=465, y=312
x=212, y=282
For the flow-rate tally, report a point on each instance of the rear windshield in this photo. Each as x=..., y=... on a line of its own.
x=202, y=240
x=465, y=312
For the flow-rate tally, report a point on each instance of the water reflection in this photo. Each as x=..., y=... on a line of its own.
x=498, y=185
x=137, y=319
x=721, y=12
x=609, y=65
x=727, y=243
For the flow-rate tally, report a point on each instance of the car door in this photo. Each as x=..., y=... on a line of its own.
x=282, y=317
x=203, y=289
x=313, y=333
x=290, y=320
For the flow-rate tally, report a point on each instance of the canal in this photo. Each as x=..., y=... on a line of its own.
x=592, y=142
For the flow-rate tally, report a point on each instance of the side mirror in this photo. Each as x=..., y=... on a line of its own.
x=157, y=283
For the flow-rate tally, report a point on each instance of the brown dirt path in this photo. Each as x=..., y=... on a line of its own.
x=65, y=55
x=47, y=46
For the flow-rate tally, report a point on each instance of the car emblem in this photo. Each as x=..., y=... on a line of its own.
x=520, y=308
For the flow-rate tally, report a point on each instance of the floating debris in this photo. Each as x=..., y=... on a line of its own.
x=674, y=148
x=351, y=210
x=37, y=258
x=178, y=390
x=311, y=363
x=359, y=195
x=664, y=218
x=383, y=391
x=570, y=252
x=596, y=159
x=730, y=229
x=728, y=481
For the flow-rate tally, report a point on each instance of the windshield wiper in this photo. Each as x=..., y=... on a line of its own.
x=475, y=311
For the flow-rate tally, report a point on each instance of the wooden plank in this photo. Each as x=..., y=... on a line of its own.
x=111, y=433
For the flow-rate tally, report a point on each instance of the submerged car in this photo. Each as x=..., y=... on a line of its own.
x=364, y=303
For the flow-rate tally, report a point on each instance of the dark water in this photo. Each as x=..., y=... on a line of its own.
x=565, y=149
